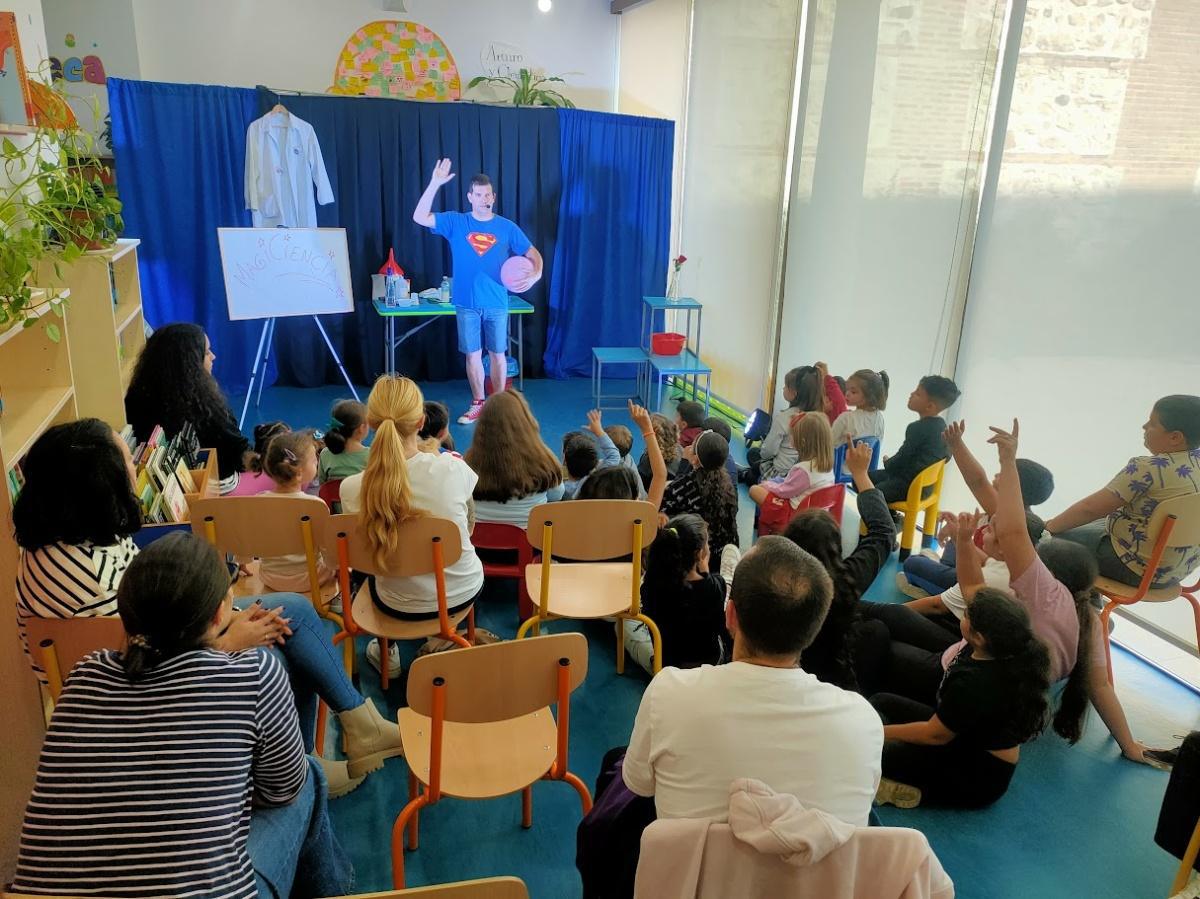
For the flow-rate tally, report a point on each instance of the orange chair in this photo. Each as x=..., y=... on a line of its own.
x=589, y=532
x=506, y=538
x=331, y=493
x=1175, y=522
x=62, y=642
x=916, y=503
x=427, y=546
x=478, y=725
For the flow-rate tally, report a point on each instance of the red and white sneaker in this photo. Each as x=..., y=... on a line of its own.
x=472, y=414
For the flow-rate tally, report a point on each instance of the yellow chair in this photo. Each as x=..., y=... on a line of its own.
x=916, y=503
x=478, y=725
x=427, y=546
x=487, y=888
x=61, y=643
x=1175, y=522
x=586, y=532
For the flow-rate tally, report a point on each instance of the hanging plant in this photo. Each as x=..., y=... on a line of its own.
x=527, y=88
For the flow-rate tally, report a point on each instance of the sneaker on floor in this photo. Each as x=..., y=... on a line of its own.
x=730, y=556
x=472, y=414
x=394, y=667
x=908, y=589
x=893, y=792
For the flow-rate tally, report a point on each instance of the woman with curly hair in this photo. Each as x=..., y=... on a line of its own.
x=173, y=385
x=517, y=471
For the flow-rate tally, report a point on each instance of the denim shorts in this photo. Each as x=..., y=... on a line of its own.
x=492, y=322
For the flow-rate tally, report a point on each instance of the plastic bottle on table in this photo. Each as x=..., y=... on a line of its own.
x=445, y=291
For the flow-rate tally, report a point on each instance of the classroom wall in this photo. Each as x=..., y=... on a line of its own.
x=18, y=690
x=294, y=44
x=652, y=77
x=78, y=29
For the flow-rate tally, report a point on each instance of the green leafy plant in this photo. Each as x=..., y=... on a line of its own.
x=53, y=207
x=527, y=88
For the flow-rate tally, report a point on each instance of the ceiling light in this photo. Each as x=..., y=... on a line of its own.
x=544, y=5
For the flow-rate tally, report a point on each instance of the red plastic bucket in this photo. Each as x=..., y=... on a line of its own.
x=666, y=344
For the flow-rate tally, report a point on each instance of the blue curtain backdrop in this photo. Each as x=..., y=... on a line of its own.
x=379, y=154
x=592, y=191
x=180, y=153
x=614, y=226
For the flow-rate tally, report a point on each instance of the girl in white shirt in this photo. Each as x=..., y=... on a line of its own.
x=401, y=483
x=291, y=462
x=866, y=394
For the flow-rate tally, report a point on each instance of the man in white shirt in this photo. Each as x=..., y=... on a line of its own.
x=761, y=716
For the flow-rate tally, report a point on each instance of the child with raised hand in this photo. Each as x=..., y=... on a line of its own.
x=434, y=435
x=866, y=395
x=707, y=491
x=344, y=452
x=964, y=751
x=813, y=439
x=578, y=461
x=619, y=482
x=291, y=462
x=923, y=442
x=682, y=597
x=925, y=575
x=666, y=435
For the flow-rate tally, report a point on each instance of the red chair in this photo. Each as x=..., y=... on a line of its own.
x=775, y=512
x=331, y=493
x=507, y=538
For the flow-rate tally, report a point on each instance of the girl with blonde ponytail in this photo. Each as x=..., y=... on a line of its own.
x=401, y=483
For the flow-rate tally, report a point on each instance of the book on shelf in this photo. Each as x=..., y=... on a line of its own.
x=164, y=478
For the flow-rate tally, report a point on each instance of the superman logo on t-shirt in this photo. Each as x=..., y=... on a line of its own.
x=481, y=241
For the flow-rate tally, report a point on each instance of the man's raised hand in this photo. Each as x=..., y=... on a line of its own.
x=441, y=173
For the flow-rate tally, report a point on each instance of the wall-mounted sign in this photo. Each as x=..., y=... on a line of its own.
x=500, y=60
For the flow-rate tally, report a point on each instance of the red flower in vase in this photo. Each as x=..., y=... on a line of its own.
x=679, y=261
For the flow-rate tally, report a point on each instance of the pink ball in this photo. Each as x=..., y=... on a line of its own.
x=515, y=270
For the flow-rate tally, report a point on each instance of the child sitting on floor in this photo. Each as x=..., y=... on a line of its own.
x=434, y=435
x=964, y=752
x=706, y=490
x=618, y=482
x=291, y=462
x=622, y=439
x=927, y=575
x=813, y=439
x=721, y=427
x=689, y=419
x=682, y=597
x=666, y=435
x=344, y=453
x=585, y=451
x=923, y=443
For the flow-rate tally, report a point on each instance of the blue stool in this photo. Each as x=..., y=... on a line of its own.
x=615, y=355
x=686, y=365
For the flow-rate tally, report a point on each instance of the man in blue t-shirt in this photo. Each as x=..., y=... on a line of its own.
x=480, y=243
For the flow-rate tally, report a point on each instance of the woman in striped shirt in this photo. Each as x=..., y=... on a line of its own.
x=172, y=768
x=73, y=521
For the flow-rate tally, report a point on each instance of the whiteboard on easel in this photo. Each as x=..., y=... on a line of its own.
x=273, y=272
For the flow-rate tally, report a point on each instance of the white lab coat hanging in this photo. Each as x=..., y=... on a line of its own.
x=283, y=164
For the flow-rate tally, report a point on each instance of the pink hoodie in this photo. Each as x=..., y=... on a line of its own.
x=774, y=846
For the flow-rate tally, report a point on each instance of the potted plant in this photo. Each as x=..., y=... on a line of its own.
x=527, y=88
x=53, y=207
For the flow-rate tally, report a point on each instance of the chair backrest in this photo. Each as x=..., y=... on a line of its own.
x=488, y=888
x=259, y=525
x=1186, y=510
x=828, y=498
x=413, y=555
x=331, y=492
x=839, y=458
x=929, y=477
x=499, y=681
x=71, y=639
x=591, y=530
x=490, y=535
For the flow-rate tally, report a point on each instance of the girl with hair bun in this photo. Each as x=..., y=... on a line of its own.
x=344, y=453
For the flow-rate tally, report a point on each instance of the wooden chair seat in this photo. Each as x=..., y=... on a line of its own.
x=584, y=589
x=1109, y=587
x=482, y=761
x=370, y=619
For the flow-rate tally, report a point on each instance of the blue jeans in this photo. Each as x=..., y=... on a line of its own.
x=1094, y=538
x=293, y=848
x=313, y=664
x=494, y=323
x=931, y=575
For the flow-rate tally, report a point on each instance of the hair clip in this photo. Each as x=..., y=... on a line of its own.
x=289, y=455
x=139, y=641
